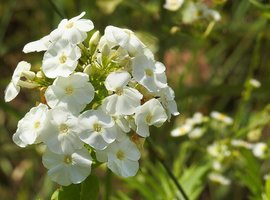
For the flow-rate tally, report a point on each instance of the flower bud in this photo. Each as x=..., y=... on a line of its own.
x=26, y=84
x=28, y=75
x=87, y=69
x=94, y=39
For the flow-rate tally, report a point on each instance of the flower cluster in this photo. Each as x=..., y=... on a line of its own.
x=222, y=151
x=97, y=95
x=193, y=11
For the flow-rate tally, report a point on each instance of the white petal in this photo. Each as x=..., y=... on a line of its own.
x=11, y=92
x=117, y=80
x=38, y=45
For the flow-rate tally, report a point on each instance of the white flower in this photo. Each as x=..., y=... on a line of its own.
x=31, y=127
x=167, y=100
x=218, y=150
x=60, y=59
x=122, y=157
x=61, y=131
x=219, y=178
x=182, y=130
x=68, y=168
x=216, y=165
x=97, y=129
x=260, y=150
x=125, y=99
x=73, y=92
x=212, y=15
x=196, y=133
x=124, y=38
x=173, y=5
x=254, y=83
x=196, y=119
x=221, y=117
x=149, y=73
x=194, y=11
x=38, y=45
x=13, y=87
x=241, y=143
x=150, y=113
x=74, y=30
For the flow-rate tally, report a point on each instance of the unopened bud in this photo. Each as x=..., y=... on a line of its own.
x=40, y=74
x=87, y=69
x=94, y=39
x=26, y=84
x=29, y=75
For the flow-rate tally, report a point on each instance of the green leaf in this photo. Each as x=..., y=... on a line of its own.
x=70, y=192
x=90, y=188
x=87, y=190
x=267, y=188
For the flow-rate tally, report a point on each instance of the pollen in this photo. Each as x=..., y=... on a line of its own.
x=69, y=90
x=62, y=59
x=148, y=118
x=120, y=155
x=119, y=91
x=63, y=128
x=37, y=124
x=69, y=25
x=97, y=127
x=149, y=72
x=68, y=159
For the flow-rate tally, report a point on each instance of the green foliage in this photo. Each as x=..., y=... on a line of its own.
x=88, y=189
x=208, y=66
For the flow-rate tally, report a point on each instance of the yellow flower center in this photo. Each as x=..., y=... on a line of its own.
x=68, y=159
x=119, y=91
x=69, y=25
x=120, y=155
x=149, y=72
x=148, y=118
x=63, y=128
x=36, y=124
x=62, y=59
x=69, y=90
x=97, y=127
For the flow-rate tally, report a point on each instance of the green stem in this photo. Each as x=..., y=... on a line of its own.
x=55, y=8
x=168, y=170
x=108, y=184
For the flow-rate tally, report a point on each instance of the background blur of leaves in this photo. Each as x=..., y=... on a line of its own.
x=207, y=73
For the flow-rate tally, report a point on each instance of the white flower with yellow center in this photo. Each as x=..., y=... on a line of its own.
x=173, y=5
x=150, y=113
x=60, y=59
x=125, y=99
x=31, y=127
x=167, y=100
x=121, y=157
x=182, y=130
x=73, y=92
x=66, y=169
x=13, y=87
x=97, y=129
x=61, y=131
x=124, y=38
x=149, y=73
x=74, y=30
x=221, y=117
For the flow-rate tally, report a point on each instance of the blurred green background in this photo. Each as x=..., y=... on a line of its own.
x=206, y=72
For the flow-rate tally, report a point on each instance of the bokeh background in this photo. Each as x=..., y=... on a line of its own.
x=207, y=72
